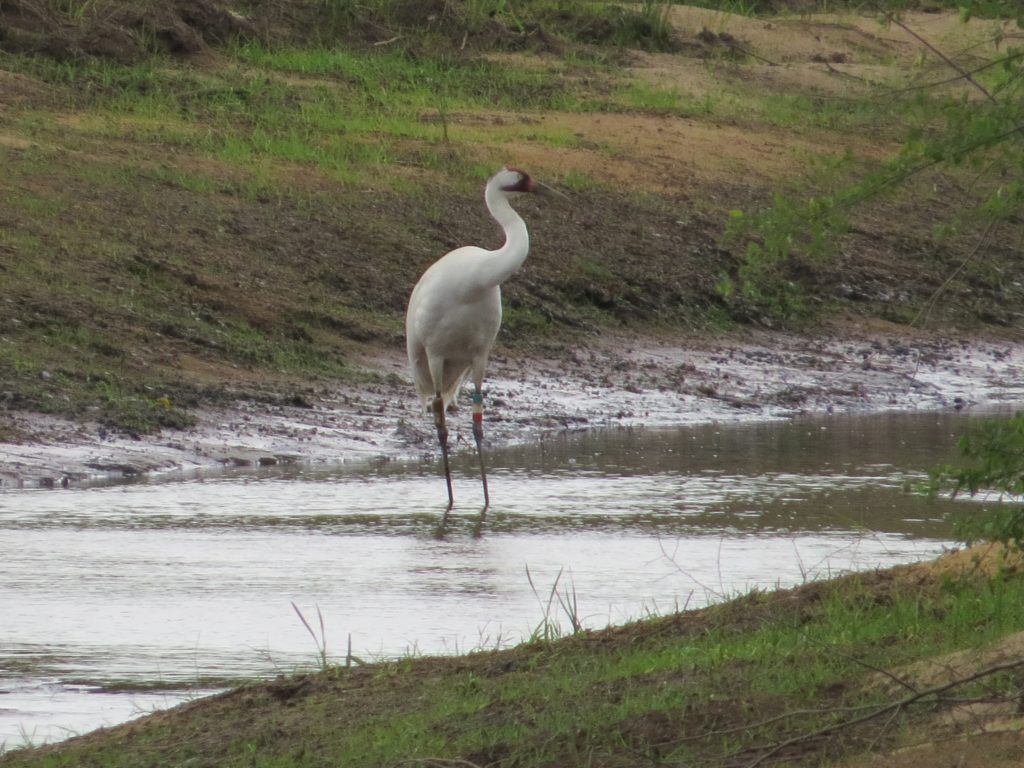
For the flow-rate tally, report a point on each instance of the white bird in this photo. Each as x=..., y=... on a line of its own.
x=455, y=312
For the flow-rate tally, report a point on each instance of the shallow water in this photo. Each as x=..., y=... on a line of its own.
x=118, y=599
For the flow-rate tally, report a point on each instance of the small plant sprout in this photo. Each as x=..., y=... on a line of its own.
x=321, y=641
x=548, y=628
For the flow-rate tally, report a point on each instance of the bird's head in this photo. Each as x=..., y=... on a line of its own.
x=514, y=180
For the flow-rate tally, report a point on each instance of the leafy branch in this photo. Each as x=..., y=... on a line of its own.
x=993, y=463
x=785, y=243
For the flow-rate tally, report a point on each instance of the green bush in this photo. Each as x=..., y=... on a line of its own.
x=993, y=463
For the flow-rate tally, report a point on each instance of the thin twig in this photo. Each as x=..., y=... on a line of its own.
x=983, y=142
x=860, y=662
x=961, y=76
x=746, y=52
x=882, y=730
x=833, y=71
x=323, y=639
x=929, y=305
x=672, y=559
x=894, y=706
x=891, y=17
x=750, y=727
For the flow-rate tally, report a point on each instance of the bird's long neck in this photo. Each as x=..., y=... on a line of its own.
x=498, y=265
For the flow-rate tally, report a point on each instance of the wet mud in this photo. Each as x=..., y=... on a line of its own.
x=617, y=381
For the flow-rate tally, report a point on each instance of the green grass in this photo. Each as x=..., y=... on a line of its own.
x=359, y=112
x=783, y=658
x=848, y=115
x=395, y=82
x=646, y=96
x=90, y=295
x=76, y=382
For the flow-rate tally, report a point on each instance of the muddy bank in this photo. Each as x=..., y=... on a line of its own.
x=617, y=381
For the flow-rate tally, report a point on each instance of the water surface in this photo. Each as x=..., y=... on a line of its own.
x=121, y=598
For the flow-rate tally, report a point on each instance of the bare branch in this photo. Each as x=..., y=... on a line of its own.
x=929, y=305
x=898, y=680
x=891, y=708
x=961, y=76
x=891, y=17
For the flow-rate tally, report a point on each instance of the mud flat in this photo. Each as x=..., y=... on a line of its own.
x=618, y=381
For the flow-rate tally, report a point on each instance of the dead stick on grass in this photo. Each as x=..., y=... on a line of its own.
x=881, y=731
x=751, y=54
x=839, y=73
x=763, y=723
x=860, y=662
x=891, y=708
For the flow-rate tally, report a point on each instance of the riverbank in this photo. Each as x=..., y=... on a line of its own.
x=907, y=667
x=208, y=248
x=616, y=381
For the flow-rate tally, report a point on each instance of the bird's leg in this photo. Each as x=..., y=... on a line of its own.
x=478, y=435
x=442, y=438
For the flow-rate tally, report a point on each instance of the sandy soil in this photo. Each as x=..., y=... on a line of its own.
x=617, y=381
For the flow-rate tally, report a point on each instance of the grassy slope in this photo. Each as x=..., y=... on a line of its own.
x=242, y=220
x=255, y=232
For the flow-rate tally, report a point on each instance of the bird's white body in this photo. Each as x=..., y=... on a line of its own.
x=457, y=332
x=455, y=309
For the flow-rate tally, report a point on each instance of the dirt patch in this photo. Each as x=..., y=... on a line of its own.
x=981, y=750
x=802, y=41
x=680, y=157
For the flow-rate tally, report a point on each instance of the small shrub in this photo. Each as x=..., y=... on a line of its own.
x=993, y=455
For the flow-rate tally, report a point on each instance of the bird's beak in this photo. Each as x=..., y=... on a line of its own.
x=544, y=189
